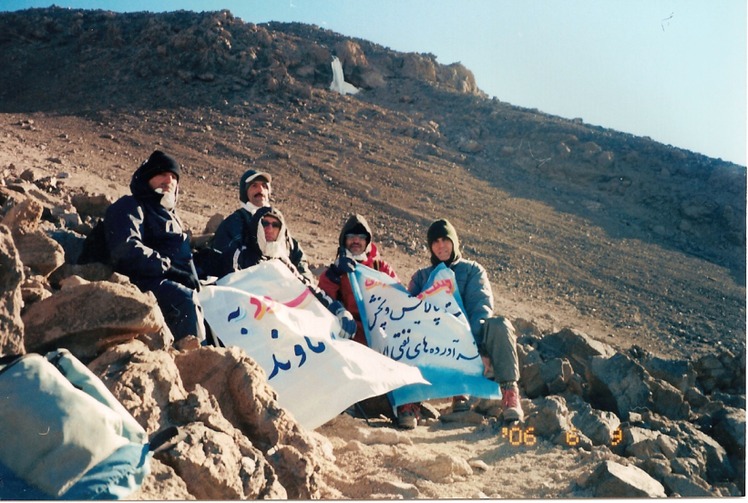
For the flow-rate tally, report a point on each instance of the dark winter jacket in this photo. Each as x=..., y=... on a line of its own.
x=143, y=237
x=234, y=233
x=338, y=286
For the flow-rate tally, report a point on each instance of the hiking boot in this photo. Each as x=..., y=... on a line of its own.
x=407, y=416
x=460, y=403
x=511, y=404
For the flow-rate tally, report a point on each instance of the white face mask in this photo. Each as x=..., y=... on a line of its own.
x=275, y=248
x=168, y=199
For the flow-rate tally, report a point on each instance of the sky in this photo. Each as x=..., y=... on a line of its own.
x=672, y=70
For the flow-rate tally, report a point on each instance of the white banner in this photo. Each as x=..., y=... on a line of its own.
x=429, y=331
x=279, y=322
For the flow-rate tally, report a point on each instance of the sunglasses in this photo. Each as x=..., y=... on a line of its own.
x=266, y=223
x=359, y=236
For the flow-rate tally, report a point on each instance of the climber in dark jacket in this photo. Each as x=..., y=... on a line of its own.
x=147, y=243
x=255, y=190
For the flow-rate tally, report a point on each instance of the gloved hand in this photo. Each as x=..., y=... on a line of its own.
x=342, y=265
x=347, y=323
x=182, y=277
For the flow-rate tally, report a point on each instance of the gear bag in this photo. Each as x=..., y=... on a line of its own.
x=64, y=435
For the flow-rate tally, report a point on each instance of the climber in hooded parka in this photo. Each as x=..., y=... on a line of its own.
x=147, y=243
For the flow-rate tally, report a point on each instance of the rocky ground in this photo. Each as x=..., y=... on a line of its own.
x=636, y=247
x=564, y=449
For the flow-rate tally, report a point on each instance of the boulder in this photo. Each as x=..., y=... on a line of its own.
x=614, y=480
x=618, y=384
x=215, y=460
x=574, y=345
x=687, y=487
x=34, y=289
x=11, y=299
x=94, y=205
x=90, y=317
x=679, y=373
x=247, y=401
x=598, y=425
x=668, y=401
x=95, y=271
x=162, y=484
x=676, y=484
x=39, y=252
x=550, y=417
x=710, y=455
x=643, y=443
x=712, y=373
x=24, y=217
x=145, y=382
x=729, y=430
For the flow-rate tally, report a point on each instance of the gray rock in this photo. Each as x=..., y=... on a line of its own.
x=576, y=346
x=687, y=487
x=695, y=397
x=598, y=425
x=679, y=373
x=550, y=377
x=643, y=444
x=729, y=430
x=618, y=384
x=668, y=401
x=706, y=450
x=613, y=480
x=712, y=373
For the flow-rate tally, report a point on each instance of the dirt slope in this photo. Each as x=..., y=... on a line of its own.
x=630, y=241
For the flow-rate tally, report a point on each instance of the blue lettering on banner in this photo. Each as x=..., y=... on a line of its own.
x=298, y=349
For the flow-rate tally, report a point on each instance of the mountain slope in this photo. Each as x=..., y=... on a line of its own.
x=633, y=241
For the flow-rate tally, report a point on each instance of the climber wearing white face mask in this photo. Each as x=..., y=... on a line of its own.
x=147, y=243
x=267, y=240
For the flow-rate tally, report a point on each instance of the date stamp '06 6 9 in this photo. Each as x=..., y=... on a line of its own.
x=525, y=436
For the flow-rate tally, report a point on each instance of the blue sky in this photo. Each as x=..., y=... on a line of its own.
x=673, y=70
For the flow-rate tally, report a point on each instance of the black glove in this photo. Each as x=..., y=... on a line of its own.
x=182, y=277
x=345, y=264
x=345, y=318
x=342, y=265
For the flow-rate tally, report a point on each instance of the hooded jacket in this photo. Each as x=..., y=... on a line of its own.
x=232, y=235
x=339, y=286
x=256, y=250
x=471, y=278
x=143, y=237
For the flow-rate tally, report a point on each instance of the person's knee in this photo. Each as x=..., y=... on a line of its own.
x=498, y=330
x=179, y=306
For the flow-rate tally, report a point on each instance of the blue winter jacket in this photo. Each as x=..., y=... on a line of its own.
x=473, y=285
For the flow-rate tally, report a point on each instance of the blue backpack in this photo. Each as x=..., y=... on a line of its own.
x=64, y=435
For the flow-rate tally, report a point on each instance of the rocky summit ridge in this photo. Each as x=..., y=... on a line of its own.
x=621, y=260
